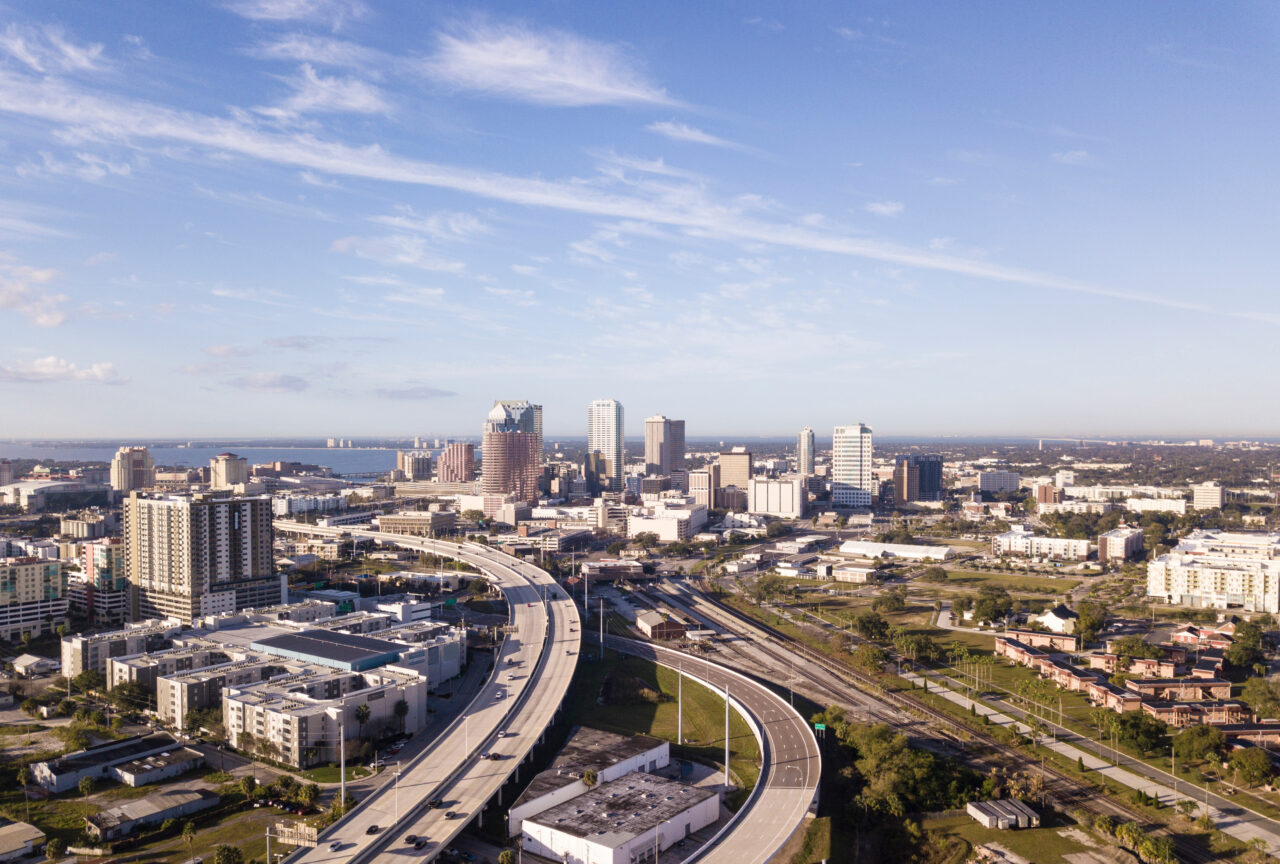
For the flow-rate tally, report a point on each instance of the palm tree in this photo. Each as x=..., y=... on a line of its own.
x=362, y=716
x=401, y=710
x=189, y=837
x=24, y=777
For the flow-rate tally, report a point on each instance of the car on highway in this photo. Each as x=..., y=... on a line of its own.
x=435, y=802
x=411, y=838
x=372, y=829
x=335, y=845
x=421, y=844
x=452, y=814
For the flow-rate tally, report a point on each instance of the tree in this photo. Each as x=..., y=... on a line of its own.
x=1263, y=696
x=1252, y=764
x=506, y=856
x=933, y=574
x=89, y=679
x=646, y=540
x=85, y=786
x=225, y=854
x=893, y=600
x=401, y=710
x=870, y=658
x=1142, y=731
x=362, y=716
x=616, y=549
x=309, y=794
x=129, y=696
x=869, y=624
x=589, y=777
x=476, y=516
x=1199, y=743
x=993, y=603
x=1247, y=647
x=1093, y=617
x=479, y=587
x=777, y=529
x=55, y=849
x=24, y=778
x=189, y=837
x=1135, y=648
x=248, y=785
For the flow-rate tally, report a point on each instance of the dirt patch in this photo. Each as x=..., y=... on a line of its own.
x=1078, y=836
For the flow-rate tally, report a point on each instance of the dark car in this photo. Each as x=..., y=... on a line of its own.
x=421, y=844
x=435, y=802
x=451, y=815
x=411, y=838
x=372, y=829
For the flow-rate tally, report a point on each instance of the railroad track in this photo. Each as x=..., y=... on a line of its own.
x=1068, y=791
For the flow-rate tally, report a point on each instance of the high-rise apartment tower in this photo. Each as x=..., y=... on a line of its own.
x=604, y=435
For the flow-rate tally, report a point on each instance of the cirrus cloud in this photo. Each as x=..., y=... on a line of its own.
x=414, y=391
x=51, y=369
x=271, y=382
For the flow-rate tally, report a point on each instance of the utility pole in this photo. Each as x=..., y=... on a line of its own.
x=680, y=704
x=342, y=759
x=726, y=738
x=601, y=628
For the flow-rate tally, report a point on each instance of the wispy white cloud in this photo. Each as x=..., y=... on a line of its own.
x=686, y=206
x=47, y=50
x=414, y=391
x=398, y=249
x=53, y=369
x=271, y=382
x=87, y=166
x=1071, y=157
x=548, y=67
x=332, y=12
x=518, y=296
x=441, y=226
x=317, y=94
x=885, y=208
x=683, y=132
x=322, y=51
x=771, y=25
x=25, y=290
x=228, y=351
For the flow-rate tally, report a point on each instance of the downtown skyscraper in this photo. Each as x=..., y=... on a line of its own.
x=509, y=457
x=804, y=452
x=604, y=436
x=851, y=481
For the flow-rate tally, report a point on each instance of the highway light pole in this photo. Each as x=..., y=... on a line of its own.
x=680, y=705
x=726, y=738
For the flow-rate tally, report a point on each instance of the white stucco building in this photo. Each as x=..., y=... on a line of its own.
x=1020, y=541
x=784, y=497
x=1220, y=569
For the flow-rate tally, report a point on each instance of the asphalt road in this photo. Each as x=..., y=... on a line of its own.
x=791, y=763
x=531, y=674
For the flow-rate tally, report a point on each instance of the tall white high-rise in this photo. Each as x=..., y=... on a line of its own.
x=851, y=481
x=604, y=434
x=804, y=452
x=132, y=468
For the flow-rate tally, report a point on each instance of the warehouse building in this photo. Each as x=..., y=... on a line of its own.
x=610, y=755
x=627, y=820
x=121, y=821
x=19, y=840
x=65, y=772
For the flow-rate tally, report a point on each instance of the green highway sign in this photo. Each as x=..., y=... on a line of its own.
x=820, y=727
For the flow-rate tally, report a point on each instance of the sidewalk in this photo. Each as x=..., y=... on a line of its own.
x=1239, y=822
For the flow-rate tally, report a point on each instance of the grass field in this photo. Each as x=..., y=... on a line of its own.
x=1011, y=581
x=703, y=714
x=1044, y=845
x=331, y=773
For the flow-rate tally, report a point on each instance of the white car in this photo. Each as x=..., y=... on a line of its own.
x=335, y=845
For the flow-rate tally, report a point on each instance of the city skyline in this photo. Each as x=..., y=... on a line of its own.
x=223, y=218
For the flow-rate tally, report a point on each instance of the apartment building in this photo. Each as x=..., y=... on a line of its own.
x=996, y=482
x=456, y=464
x=189, y=556
x=1020, y=541
x=33, y=597
x=82, y=653
x=1220, y=569
x=1120, y=544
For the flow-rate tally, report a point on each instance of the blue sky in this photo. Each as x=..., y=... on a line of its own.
x=353, y=218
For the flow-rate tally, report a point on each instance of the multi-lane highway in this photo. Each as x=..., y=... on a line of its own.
x=531, y=675
x=791, y=764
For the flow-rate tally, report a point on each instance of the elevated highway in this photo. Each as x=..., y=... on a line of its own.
x=531, y=674
x=790, y=762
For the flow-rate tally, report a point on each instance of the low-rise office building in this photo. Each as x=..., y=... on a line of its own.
x=621, y=821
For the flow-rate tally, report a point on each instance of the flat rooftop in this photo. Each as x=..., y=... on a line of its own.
x=586, y=748
x=112, y=753
x=181, y=756
x=615, y=813
x=332, y=648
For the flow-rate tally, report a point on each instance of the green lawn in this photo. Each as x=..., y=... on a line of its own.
x=22, y=729
x=1042, y=845
x=703, y=714
x=1012, y=581
x=331, y=774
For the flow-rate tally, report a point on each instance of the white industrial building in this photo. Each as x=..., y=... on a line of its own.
x=610, y=755
x=871, y=549
x=672, y=519
x=785, y=497
x=1156, y=505
x=627, y=820
x=1020, y=541
x=999, y=481
x=1220, y=569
